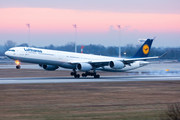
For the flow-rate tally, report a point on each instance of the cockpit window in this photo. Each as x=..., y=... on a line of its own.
x=11, y=50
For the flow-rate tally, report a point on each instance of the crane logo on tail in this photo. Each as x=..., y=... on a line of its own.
x=145, y=49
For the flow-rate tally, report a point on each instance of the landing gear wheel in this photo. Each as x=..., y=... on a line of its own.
x=18, y=67
x=72, y=73
x=76, y=76
x=96, y=76
x=84, y=75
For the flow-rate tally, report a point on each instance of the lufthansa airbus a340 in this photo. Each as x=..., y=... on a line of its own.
x=88, y=63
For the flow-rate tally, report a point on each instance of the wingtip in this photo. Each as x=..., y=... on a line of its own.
x=163, y=55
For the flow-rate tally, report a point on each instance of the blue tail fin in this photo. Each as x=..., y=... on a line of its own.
x=144, y=50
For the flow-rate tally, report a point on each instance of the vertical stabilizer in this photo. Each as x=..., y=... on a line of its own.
x=144, y=49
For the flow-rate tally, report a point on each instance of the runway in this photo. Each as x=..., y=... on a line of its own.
x=148, y=68
x=88, y=79
x=152, y=72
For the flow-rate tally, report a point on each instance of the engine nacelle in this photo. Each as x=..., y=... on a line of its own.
x=84, y=67
x=116, y=64
x=50, y=67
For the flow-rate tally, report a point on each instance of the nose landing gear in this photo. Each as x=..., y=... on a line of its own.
x=18, y=67
x=17, y=64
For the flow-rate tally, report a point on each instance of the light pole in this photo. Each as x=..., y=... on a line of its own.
x=28, y=25
x=119, y=40
x=75, y=37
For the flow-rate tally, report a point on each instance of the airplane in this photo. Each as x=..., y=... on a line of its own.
x=87, y=63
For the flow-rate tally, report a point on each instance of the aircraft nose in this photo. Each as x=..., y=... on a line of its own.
x=6, y=53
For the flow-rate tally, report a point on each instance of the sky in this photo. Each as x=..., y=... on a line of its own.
x=51, y=22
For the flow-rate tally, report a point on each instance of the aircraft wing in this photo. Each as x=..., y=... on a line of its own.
x=106, y=62
x=95, y=63
x=131, y=60
x=100, y=63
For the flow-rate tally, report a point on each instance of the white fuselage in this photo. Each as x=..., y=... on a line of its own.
x=63, y=59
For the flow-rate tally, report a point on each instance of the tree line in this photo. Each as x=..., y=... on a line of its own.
x=126, y=51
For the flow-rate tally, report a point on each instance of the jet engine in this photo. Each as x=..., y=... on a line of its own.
x=84, y=67
x=50, y=67
x=116, y=64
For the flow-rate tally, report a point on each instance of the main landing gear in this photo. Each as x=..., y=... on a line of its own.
x=17, y=64
x=74, y=73
x=90, y=74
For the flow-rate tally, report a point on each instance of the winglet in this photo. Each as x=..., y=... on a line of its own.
x=163, y=55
